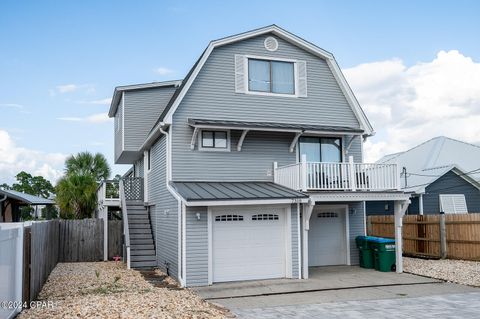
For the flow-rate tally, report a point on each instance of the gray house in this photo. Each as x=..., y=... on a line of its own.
x=441, y=174
x=251, y=166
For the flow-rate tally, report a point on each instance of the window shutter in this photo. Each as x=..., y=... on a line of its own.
x=302, y=78
x=453, y=204
x=240, y=74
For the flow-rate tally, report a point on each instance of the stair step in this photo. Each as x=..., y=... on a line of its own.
x=142, y=252
x=139, y=226
x=143, y=258
x=137, y=212
x=138, y=231
x=142, y=241
x=136, y=220
x=143, y=264
x=141, y=247
x=136, y=207
x=141, y=236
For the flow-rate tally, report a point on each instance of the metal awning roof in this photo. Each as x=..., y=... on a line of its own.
x=271, y=126
x=201, y=192
x=26, y=198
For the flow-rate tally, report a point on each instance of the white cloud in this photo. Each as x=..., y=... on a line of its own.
x=15, y=159
x=94, y=118
x=71, y=88
x=408, y=105
x=12, y=105
x=105, y=101
x=163, y=71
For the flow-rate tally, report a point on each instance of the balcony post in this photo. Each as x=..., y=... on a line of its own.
x=303, y=173
x=353, y=182
x=275, y=166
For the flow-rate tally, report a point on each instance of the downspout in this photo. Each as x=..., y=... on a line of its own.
x=181, y=229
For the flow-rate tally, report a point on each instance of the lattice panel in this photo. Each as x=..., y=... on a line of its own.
x=133, y=188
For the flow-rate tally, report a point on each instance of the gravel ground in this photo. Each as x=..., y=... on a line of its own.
x=458, y=271
x=109, y=290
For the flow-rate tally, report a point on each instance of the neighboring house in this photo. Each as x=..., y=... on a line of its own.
x=11, y=201
x=251, y=166
x=442, y=175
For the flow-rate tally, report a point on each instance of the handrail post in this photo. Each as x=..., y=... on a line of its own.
x=303, y=172
x=397, y=176
x=353, y=183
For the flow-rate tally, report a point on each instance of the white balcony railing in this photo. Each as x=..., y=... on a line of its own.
x=350, y=176
x=108, y=193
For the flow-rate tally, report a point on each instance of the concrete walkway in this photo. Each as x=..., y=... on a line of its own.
x=462, y=306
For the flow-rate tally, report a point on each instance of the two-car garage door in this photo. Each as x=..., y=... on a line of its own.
x=248, y=243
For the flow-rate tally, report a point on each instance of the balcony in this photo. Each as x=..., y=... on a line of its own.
x=108, y=192
x=350, y=176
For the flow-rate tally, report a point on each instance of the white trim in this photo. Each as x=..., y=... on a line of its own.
x=347, y=234
x=241, y=140
x=299, y=244
x=288, y=37
x=288, y=241
x=123, y=121
x=210, y=245
x=214, y=149
x=242, y=202
x=184, y=242
x=357, y=196
x=146, y=173
x=364, y=218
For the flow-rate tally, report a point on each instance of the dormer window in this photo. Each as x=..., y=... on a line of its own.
x=271, y=76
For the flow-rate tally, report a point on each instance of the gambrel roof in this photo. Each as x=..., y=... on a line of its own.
x=166, y=116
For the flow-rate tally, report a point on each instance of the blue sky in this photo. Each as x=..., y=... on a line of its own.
x=60, y=61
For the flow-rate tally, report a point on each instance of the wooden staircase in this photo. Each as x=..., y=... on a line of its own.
x=142, y=246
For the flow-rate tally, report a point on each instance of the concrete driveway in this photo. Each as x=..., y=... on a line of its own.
x=347, y=291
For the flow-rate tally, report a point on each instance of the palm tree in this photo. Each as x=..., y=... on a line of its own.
x=85, y=163
x=76, y=196
x=77, y=190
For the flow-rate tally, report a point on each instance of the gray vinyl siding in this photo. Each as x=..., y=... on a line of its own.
x=142, y=109
x=165, y=211
x=357, y=228
x=355, y=150
x=118, y=130
x=294, y=240
x=212, y=96
x=138, y=168
x=253, y=162
x=450, y=183
x=197, y=246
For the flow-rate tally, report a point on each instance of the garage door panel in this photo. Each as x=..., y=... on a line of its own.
x=326, y=237
x=250, y=248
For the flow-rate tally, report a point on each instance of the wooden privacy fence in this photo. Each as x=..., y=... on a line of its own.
x=435, y=236
x=48, y=243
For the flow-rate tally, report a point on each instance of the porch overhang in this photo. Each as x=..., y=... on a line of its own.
x=246, y=126
x=357, y=196
x=236, y=193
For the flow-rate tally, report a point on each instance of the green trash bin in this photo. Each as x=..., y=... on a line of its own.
x=384, y=254
x=365, y=252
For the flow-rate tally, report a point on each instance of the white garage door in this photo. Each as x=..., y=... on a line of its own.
x=326, y=237
x=248, y=243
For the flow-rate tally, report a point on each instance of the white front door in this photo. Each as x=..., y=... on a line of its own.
x=327, y=243
x=248, y=243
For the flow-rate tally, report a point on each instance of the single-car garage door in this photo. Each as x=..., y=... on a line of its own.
x=248, y=243
x=327, y=237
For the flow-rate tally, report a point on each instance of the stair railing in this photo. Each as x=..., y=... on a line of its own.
x=126, y=232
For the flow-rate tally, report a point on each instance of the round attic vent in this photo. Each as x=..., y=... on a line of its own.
x=271, y=44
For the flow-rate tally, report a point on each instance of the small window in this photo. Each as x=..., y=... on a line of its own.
x=228, y=218
x=215, y=140
x=271, y=76
x=265, y=217
x=327, y=215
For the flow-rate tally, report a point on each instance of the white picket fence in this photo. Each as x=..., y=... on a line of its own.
x=11, y=268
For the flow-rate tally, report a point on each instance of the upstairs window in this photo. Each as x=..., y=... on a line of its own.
x=271, y=76
x=215, y=140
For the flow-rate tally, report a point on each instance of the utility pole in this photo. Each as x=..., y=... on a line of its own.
x=404, y=172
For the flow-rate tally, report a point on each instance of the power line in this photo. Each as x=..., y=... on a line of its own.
x=425, y=184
